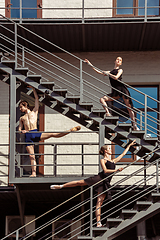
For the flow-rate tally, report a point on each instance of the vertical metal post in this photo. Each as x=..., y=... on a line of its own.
x=141, y=120
x=82, y=160
x=91, y=207
x=15, y=39
x=101, y=140
x=55, y=160
x=145, y=11
x=20, y=6
x=145, y=173
x=17, y=235
x=12, y=126
x=82, y=11
x=157, y=176
x=23, y=57
x=145, y=115
x=81, y=82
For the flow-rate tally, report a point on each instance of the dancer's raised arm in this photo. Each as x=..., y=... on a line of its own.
x=124, y=152
x=96, y=70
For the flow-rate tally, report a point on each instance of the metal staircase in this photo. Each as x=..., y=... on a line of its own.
x=82, y=113
x=14, y=72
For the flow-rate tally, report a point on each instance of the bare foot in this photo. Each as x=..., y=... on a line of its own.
x=74, y=129
x=99, y=224
x=55, y=187
x=107, y=114
x=33, y=175
x=135, y=128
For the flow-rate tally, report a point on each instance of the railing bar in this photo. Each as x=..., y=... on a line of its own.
x=80, y=59
x=79, y=194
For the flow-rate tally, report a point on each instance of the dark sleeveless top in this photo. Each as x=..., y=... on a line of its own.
x=120, y=86
x=103, y=185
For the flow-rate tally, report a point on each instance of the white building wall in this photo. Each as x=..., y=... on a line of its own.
x=71, y=12
x=2, y=6
x=4, y=132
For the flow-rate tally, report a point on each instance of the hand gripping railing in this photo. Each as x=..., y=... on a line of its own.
x=88, y=226
x=76, y=80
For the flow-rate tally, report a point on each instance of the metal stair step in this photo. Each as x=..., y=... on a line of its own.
x=22, y=71
x=35, y=78
x=112, y=119
x=60, y=91
x=125, y=126
x=151, y=158
x=48, y=85
x=141, y=205
x=9, y=63
x=86, y=105
x=101, y=229
x=84, y=237
x=151, y=140
x=74, y=98
x=128, y=213
x=155, y=197
x=99, y=112
x=138, y=133
x=155, y=194
x=113, y=222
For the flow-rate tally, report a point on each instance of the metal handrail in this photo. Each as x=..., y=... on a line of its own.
x=138, y=159
x=151, y=164
x=81, y=8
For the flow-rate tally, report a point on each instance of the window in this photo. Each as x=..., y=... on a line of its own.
x=152, y=115
x=135, y=8
x=14, y=11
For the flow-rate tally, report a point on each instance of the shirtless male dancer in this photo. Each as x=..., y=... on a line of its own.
x=29, y=122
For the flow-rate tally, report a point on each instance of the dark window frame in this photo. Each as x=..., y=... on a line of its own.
x=133, y=158
x=8, y=11
x=135, y=10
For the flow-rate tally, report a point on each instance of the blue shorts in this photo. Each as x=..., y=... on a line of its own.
x=31, y=137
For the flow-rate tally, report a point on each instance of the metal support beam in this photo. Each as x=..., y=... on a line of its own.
x=101, y=139
x=12, y=126
x=141, y=231
x=21, y=205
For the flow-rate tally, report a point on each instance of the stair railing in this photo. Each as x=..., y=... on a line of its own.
x=83, y=84
x=89, y=212
x=81, y=16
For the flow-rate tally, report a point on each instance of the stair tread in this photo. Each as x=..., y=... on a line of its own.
x=144, y=203
x=129, y=211
x=46, y=82
x=155, y=194
x=33, y=75
x=60, y=89
x=23, y=68
x=8, y=61
x=114, y=219
x=74, y=96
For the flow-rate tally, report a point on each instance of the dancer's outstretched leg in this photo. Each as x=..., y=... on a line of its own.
x=45, y=136
x=69, y=184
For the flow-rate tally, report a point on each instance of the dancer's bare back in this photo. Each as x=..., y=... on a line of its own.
x=29, y=121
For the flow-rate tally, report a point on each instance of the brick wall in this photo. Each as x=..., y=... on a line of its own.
x=76, y=13
x=4, y=132
x=2, y=5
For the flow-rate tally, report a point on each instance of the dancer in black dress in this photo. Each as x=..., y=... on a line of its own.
x=108, y=167
x=115, y=74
